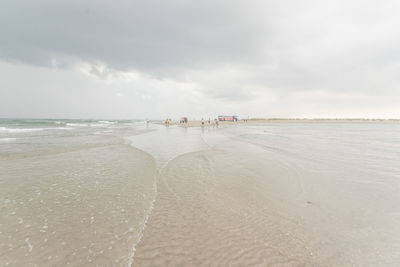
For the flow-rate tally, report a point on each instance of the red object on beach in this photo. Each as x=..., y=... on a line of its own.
x=227, y=118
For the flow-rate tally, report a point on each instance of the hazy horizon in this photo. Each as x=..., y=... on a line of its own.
x=197, y=118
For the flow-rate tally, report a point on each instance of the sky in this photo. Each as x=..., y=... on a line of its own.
x=125, y=59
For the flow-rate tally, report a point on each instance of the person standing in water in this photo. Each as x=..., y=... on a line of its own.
x=202, y=122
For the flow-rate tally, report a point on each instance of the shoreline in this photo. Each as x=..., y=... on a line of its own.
x=197, y=123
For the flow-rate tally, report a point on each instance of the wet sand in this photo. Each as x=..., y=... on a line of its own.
x=252, y=197
x=73, y=197
x=203, y=219
x=64, y=210
x=257, y=194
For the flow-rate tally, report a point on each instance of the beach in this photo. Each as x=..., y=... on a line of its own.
x=198, y=123
x=256, y=193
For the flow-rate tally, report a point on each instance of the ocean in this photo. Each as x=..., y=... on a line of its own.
x=130, y=193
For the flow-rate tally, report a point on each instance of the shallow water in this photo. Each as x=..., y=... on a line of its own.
x=123, y=193
x=278, y=194
x=72, y=196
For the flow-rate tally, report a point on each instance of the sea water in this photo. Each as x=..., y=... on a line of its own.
x=123, y=193
x=71, y=192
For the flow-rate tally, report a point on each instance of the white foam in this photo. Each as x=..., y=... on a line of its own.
x=102, y=132
x=26, y=130
x=60, y=128
x=29, y=244
x=7, y=140
x=143, y=225
x=96, y=124
x=19, y=130
x=78, y=124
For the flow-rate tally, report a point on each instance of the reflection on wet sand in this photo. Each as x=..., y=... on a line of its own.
x=246, y=195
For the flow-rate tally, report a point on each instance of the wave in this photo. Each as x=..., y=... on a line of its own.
x=78, y=124
x=26, y=130
x=102, y=132
x=6, y=140
x=19, y=130
x=97, y=124
x=31, y=122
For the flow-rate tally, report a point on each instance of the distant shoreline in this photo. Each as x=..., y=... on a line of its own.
x=197, y=123
x=326, y=120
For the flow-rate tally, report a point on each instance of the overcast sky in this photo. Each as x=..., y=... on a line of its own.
x=169, y=58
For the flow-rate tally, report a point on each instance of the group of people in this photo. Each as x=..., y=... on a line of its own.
x=209, y=121
x=184, y=120
x=167, y=121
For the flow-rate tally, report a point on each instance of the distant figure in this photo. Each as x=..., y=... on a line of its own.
x=202, y=122
x=209, y=121
x=216, y=122
x=184, y=120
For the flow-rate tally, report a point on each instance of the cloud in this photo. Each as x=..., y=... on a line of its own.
x=150, y=35
x=233, y=53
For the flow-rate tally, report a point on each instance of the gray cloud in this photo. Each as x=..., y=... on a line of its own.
x=230, y=50
x=148, y=35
